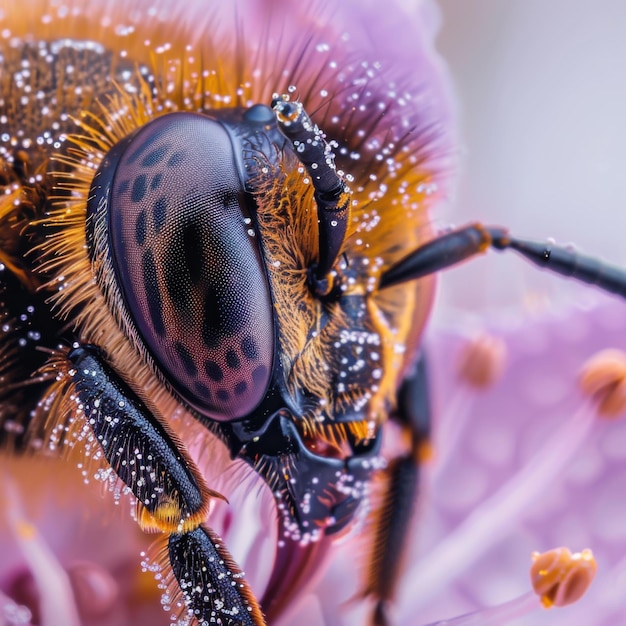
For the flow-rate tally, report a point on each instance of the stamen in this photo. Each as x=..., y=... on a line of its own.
x=481, y=363
x=559, y=577
x=57, y=603
x=494, y=518
x=604, y=378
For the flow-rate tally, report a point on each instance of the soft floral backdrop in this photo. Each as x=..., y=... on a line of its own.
x=542, y=95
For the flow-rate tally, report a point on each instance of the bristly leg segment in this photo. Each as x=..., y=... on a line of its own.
x=211, y=583
x=138, y=447
x=172, y=496
x=393, y=521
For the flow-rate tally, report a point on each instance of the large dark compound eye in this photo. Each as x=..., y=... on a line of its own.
x=186, y=261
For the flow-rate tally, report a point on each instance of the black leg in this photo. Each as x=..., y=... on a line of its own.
x=393, y=522
x=171, y=494
x=216, y=592
x=464, y=243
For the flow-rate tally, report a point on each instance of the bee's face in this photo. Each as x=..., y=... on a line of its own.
x=173, y=229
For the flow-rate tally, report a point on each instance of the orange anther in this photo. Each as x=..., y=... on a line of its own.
x=559, y=577
x=604, y=377
x=482, y=361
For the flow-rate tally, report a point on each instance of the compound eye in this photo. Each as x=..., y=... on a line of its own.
x=187, y=263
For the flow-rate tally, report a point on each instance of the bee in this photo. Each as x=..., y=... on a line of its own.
x=230, y=230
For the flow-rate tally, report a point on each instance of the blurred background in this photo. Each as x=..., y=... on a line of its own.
x=542, y=109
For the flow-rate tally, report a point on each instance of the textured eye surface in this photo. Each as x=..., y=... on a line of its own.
x=187, y=262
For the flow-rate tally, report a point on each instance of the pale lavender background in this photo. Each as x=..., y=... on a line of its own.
x=542, y=106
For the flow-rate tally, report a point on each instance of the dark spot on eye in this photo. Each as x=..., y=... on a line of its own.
x=124, y=187
x=259, y=375
x=223, y=395
x=159, y=212
x=213, y=371
x=240, y=388
x=202, y=390
x=184, y=265
x=140, y=186
x=141, y=228
x=249, y=349
x=185, y=357
x=211, y=323
x=192, y=250
x=156, y=181
x=232, y=360
x=176, y=159
x=177, y=281
x=155, y=156
x=224, y=316
x=155, y=306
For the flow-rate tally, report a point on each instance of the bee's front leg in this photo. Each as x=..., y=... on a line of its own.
x=394, y=517
x=172, y=496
